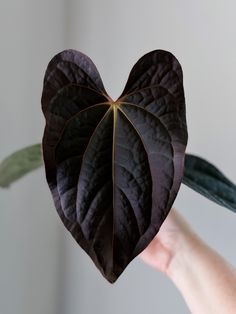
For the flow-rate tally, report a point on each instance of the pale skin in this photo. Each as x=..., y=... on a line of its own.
x=206, y=281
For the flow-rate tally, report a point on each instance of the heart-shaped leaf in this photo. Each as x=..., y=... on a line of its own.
x=114, y=167
x=207, y=180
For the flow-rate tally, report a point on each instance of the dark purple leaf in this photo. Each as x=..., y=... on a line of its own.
x=114, y=167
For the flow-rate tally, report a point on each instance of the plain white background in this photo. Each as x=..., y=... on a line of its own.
x=42, y=269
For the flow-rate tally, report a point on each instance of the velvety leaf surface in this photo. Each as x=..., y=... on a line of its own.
x=114, y=167
x=207, y=180
x=19, y=164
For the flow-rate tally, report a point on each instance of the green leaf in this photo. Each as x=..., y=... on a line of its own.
x=207, y=180
x=19, y=164
x=199, y=175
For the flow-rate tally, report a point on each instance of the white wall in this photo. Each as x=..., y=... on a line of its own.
x=30, y=32
x=42, y=269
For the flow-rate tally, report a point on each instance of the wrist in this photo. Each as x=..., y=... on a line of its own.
x=185, y=243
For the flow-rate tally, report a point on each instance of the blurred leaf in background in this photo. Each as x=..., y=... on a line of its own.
x=19, y=164
x=199, y=175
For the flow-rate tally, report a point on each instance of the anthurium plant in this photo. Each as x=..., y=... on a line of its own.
x=114, y=167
